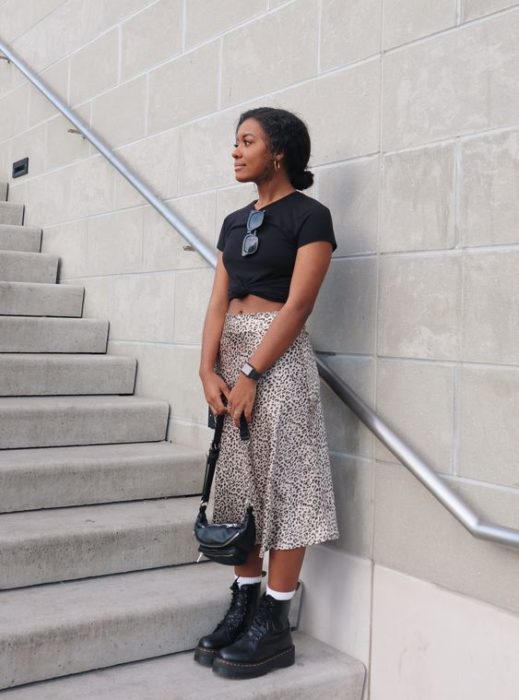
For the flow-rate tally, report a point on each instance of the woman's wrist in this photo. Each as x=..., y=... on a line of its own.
x=205, y=371
x=250, y=371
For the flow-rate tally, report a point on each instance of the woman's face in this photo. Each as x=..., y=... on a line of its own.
x=253, y=159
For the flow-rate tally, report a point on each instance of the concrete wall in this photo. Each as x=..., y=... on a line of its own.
x=413, y=108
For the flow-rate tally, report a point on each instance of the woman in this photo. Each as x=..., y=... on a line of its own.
x=257, y=360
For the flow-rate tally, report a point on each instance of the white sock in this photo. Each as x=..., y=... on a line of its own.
x=280, y=595
x=245, y=580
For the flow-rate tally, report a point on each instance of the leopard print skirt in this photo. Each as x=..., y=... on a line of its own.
x=284, y=469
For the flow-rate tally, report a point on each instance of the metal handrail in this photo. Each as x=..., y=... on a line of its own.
x=205, y=251
x=439, y=488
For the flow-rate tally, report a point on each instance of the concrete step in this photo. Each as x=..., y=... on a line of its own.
x=320, y=671
x=37, y=299
x=49, y=374
x=61, y=628
x=24, y=238
x=4, y=187
x=45, y=421
x=47, y=477
x=11, y=213
x=59, y=544
x=19, y=266
x=33, y=334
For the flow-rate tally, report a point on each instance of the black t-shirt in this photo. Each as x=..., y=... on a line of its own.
x=289, y=223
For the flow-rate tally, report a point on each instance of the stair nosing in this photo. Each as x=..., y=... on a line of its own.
x=114, y=682
x=37, y=255
x=68, y=452
x=47, y=285
x=50, y=523
x=87, y=590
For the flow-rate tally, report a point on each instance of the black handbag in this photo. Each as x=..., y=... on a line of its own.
x=225, y=543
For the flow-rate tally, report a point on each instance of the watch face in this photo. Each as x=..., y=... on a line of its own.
x=249, y=371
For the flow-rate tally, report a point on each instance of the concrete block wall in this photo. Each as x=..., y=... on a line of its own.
x=414, y=113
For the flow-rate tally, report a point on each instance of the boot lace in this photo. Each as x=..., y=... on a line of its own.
x=261, y=623
x=237, y=610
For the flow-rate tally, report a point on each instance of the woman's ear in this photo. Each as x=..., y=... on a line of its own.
x=278, y=160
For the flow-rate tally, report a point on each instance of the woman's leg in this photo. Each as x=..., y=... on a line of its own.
x=267, y=643
x=284, y=568
x=253, y=565
x=245, y=596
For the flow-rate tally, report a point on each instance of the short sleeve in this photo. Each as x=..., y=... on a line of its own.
x=223, y=236
x=317, y=226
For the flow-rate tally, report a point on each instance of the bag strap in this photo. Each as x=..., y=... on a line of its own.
x=214, y=451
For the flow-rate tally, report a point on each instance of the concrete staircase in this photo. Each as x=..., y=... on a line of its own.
x=99, y=593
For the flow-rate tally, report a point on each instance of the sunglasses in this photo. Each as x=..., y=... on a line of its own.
x=251, y=241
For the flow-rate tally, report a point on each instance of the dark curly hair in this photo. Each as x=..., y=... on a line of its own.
x=288, y=134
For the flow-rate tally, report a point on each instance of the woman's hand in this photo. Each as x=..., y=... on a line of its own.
x=241, y=399
x=214, y=387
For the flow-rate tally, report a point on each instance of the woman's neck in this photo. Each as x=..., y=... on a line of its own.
x=273, y=190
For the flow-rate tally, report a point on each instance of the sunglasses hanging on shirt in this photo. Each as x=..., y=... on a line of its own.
x=251, y=242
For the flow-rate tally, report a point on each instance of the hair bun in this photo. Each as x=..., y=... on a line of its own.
x=303, y=180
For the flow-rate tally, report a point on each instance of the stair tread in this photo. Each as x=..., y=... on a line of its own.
x=46, y=421
x=319, y=670
x=27, y=266
x=29, y=255
x=42, y=334
x=11, y=213
x=33, y=478
x=183, y=594
x=22, y=238
x=38, y=402
x=77, y=455
x=58, y=544
x=66, y=374
x=61, y=357
x=138, y=594
x=42, y=286
x=50, y=320
x=5, y=203
x=20, y=227
x=93, y=623
x=19, y=298
x=78, y=521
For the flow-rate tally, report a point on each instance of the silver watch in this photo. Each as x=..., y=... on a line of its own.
x=249, y=371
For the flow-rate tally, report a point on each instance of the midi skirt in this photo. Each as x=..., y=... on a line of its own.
x=283, y=470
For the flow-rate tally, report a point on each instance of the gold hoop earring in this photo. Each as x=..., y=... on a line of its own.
x=277, y=164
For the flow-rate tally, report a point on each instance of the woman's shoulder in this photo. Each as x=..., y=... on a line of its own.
x=308, y=204
x=313, y=221
x=305, y=210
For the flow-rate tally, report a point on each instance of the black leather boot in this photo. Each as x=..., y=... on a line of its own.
x=237, y=618
x=265, y=646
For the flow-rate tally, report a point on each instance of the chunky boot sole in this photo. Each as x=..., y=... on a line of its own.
x=232, y=669
x=204, y=657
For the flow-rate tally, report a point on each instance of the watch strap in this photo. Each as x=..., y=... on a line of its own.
x=249, y=371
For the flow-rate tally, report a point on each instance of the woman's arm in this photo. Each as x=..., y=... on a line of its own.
x=312, y=262
x=214, y=385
